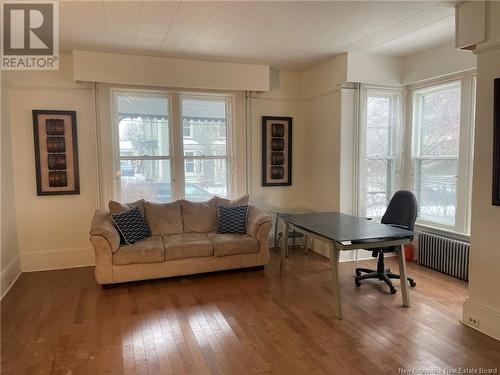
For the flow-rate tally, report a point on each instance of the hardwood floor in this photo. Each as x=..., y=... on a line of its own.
x=253, y=322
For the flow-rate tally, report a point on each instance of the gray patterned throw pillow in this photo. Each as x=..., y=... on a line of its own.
x=232, y=219
x=131, y=225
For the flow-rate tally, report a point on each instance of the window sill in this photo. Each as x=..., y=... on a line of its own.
x=442, y=232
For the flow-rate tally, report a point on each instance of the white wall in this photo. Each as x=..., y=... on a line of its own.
x=329, y=110
x=283, y=100
x=374, y=69
x=324, y=78
x=52, y=231
x=9, y=257
x=436, y=62
x=323, y=143
x=323, y=107
x=164, y=71
x=484, y=270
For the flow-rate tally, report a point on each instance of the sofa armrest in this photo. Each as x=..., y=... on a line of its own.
x=103, y=226
x=256, y=218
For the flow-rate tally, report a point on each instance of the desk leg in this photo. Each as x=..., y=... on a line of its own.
x=276, y=231
x=402, y=274
x=334, y=262
x=284, y=248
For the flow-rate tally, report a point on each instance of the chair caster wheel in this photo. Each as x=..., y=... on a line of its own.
x=393, y=290
x=358, y=273
x=413, y=284
x=357, y=282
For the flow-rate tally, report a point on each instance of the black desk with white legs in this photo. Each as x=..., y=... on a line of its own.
x=341, y=232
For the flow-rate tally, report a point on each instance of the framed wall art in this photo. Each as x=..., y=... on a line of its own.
x=56, y=152
x=276, y=151
x=496, y=144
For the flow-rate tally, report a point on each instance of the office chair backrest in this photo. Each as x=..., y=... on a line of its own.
x=402, y=210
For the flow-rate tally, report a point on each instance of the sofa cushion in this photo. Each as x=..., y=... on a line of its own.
x=199, y=217
x=231, y=244
x=241, y=201
x=163, y=218
x=117, y=207
x=131, y=226
x=187, y=245
x=150, y=250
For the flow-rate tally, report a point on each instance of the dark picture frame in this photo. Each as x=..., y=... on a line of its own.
x=56, y=152
x=496, y=144
x=277, y=151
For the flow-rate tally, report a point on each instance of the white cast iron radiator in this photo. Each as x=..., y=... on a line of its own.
x=444, y=254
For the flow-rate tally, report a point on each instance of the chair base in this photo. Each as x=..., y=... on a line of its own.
x=385, y=276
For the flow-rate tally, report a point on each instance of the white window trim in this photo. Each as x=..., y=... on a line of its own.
x=230, y=171
x=116, y=138
x=176, y=156
x=466, y=149
x=399, y=92
x=404, y=177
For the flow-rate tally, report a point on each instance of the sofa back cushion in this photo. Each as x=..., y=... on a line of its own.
x=241, y=201
x=164, y=218
x=117, y=207
x=199, y=217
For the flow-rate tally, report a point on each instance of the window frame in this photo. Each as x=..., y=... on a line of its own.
x=176, y=143
x=465, y=148
x=416, y=96
x=200, y=158
x=116, y=136
x=395, y=134
x=405, y=174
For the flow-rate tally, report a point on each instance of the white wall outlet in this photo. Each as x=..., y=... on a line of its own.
x=473, y=321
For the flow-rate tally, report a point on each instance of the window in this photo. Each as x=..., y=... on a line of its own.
x=431, y=155
x=189, y=163
x=205, y=152
x=441, y=152
x=378, y=164
x=145, y=136
x=187, y=129
x=436, y=140
x=144, y=147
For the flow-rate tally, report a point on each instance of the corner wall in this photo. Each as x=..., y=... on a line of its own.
x=52, y=231
x=9, y=257
x=284, y=99
x=483, y=304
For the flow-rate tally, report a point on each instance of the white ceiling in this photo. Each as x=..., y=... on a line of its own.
x=285, y=34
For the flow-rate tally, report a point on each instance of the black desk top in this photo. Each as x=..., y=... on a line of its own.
x=339, y=227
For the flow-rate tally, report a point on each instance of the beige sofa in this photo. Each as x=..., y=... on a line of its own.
x=183, y=242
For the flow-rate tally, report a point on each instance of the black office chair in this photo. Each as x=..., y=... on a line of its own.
x=401, y=212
